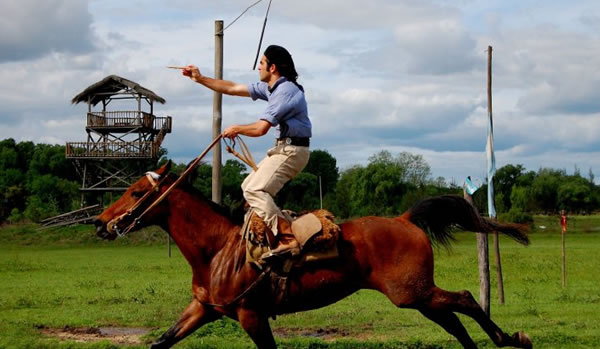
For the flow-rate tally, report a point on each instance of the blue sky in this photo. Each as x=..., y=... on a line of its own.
x=381, y=74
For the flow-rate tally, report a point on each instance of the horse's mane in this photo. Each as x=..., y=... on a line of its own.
x=235, y=215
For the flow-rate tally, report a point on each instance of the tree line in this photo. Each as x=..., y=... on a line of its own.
x=36, y=182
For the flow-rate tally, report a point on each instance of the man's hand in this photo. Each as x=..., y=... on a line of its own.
x=230, y=132
x=192, y=72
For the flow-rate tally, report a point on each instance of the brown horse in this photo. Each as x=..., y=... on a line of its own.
x=391, y=255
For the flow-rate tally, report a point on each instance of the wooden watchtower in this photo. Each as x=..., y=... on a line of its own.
x=121, y=145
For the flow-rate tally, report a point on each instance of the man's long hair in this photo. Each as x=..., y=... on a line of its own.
x=283, y=61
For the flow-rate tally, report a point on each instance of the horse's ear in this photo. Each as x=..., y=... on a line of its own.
x=164, y=169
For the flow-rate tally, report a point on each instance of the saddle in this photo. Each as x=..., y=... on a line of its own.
x=315, y=231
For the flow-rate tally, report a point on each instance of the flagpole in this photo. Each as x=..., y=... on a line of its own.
x=491, y=162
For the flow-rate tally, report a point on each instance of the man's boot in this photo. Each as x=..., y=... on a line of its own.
x=287, y=243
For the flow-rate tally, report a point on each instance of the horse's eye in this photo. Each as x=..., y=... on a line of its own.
x=137, y=194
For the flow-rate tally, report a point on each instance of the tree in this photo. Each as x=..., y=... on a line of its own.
x=204, y=180
x=574, y=195
x=344, y=192
x=301, y=193
x=50, y=195
x=13, y=194
x=322, y=164
x=373, y=190
x=544, y=188
x=50, y=159
x=416, y=169
x=504, y=180
x=233, y=173
x=520, y=198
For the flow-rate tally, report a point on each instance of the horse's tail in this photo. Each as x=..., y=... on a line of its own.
x=440, y=216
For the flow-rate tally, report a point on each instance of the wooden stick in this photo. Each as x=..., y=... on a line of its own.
x=175, y=67
x=177, y=181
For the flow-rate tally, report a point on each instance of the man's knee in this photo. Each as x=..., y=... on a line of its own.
x=252, y=194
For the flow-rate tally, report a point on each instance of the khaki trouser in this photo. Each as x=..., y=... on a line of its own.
x=283, y=162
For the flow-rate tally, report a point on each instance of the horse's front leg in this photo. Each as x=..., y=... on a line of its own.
x=257, y=326
x=194, y=316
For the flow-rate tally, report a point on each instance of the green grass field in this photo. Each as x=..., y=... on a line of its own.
x=57, y=278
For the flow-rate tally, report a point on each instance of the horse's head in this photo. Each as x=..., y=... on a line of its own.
x=124, y=215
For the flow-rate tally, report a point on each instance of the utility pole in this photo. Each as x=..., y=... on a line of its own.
x=217, y=114
x=491, y=172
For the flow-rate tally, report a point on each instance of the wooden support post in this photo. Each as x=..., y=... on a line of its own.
x=483, y=259
x=564, y=262
x=499, y=268
x=217, y=114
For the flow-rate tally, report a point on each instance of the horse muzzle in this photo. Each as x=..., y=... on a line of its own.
x=103, y=232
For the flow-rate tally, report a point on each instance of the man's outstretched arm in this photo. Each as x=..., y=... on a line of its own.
x=222, y=86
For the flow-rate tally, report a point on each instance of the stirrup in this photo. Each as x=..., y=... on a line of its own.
x=294, y=251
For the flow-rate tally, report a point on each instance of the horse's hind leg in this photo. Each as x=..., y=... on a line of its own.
x=194, y=316
x=258, y=328
x=464, y=303
x=451, y=324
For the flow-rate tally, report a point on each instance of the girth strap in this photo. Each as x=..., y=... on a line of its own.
x=253, y=285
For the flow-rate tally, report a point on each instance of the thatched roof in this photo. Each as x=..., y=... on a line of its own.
x=112, y=85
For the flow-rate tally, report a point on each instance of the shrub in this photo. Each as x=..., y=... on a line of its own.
x=515, y=215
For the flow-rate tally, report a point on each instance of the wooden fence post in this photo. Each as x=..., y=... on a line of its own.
x=563, y=223
x=483, y=262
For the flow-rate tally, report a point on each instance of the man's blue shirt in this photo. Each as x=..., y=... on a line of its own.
x=286, y=108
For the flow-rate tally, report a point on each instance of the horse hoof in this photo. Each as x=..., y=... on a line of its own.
x=522, y=340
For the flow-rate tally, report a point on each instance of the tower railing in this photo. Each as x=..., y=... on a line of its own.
x=137, y=149
x=128, y=119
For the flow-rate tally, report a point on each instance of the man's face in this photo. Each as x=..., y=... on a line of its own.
x=264, y=71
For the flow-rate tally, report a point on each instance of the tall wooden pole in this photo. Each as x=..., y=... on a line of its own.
x=483, y=259
x=217, y=114
x=490, y=190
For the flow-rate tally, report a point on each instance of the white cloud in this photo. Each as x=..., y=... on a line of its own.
x=382, y=74
x=31, y=29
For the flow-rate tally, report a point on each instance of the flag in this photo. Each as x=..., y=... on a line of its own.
x=470, y=187
x=491, y=167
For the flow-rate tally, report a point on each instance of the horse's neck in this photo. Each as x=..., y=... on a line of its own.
x=197, y=229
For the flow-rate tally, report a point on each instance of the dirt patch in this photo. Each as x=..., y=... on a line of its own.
x=328, y=333
x=116, y=335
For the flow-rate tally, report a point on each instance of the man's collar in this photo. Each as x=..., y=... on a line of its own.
x=277, y=83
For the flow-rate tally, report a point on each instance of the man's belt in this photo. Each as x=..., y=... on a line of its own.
x=298, y=141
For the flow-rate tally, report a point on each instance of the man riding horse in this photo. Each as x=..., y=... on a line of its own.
x=287, y=110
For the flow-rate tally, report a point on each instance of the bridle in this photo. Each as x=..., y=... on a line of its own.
x=152, y=177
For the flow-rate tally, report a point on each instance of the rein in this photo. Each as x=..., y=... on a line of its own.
x=246, y=157
x=155, y=187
